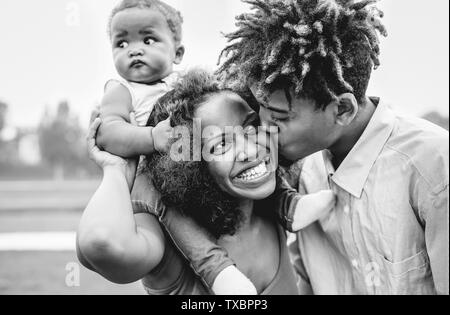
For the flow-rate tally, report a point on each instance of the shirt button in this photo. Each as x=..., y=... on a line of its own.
x=355, y=264
x=346, y=209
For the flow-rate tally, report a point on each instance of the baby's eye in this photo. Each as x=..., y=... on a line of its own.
x=122, y=44
x=149, y=41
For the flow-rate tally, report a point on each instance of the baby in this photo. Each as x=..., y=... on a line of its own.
x=146, y=43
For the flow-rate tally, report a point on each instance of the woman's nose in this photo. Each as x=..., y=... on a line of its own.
x=246, y=148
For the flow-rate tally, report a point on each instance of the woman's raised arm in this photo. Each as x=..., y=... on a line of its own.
x=114, y=242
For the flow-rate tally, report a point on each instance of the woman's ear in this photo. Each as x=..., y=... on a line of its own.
x=347, y=109
x=179, y=54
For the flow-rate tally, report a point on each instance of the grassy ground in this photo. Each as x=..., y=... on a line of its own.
x=47, y=207
x=45, y=273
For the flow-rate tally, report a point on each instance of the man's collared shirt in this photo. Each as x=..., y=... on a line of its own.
x=389, y=233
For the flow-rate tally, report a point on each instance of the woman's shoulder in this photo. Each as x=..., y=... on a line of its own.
x=173, y=276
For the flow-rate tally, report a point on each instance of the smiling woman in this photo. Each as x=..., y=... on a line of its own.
x=209, y=190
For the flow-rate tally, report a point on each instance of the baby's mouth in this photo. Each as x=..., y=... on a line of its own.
x=137, y=64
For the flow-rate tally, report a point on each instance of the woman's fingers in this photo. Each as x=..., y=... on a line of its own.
x=94, y=114
x=91, y=138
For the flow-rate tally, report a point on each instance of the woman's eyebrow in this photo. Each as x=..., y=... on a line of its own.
x=250, y=118
x=214, y=138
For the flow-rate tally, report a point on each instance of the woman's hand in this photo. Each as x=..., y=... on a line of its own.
x=106, y=160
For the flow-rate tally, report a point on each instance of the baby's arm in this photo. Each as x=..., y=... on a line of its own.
x=116, y=134
x=209, y=261
x=296, y=210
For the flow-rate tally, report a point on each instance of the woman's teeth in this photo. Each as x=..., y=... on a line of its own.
x=254, y=173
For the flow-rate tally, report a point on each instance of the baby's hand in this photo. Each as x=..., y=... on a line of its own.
x=233, y=282
x=312, y=207
x=161, y=135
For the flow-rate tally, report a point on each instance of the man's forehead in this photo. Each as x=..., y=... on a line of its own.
x=278, y=101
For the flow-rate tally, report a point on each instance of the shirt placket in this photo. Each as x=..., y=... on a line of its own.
x=345, y=217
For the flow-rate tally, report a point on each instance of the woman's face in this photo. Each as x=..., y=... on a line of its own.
x=240, y=160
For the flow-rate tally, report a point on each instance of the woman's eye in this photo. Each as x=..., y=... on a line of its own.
x=149, y=41
x=122, y=44
x=220, y=148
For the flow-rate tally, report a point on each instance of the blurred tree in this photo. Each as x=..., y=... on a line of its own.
x=3, y=110
x=61, y=142
x=437, y=119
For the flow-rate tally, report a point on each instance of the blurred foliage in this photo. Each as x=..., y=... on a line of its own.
x=3, y=110
x=62, y=144
x=437, y=119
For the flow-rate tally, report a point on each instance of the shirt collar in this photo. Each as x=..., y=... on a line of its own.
x=352, y=174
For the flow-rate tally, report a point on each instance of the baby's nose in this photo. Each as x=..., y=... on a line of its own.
x=135, y=52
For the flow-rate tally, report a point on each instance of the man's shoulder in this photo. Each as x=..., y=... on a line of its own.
x=424, y=145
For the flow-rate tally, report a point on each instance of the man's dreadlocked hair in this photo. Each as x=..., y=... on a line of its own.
x=317, y=48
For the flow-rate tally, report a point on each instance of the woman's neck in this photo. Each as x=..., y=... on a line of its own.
x=246, y=207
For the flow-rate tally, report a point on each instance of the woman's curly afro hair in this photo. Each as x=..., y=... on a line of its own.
x=187, y=186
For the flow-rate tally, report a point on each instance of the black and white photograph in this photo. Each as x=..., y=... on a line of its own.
x=234, y=148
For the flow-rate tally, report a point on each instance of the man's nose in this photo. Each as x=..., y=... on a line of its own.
x=267, y=124
x=264, y=116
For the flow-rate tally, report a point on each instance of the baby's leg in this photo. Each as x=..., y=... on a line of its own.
x=312, y=207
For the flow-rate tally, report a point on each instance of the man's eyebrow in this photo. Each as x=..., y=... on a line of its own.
x=274, y=109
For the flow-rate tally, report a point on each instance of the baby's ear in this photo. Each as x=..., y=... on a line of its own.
x=179, y=54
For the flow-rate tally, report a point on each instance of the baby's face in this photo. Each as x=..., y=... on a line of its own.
x=144, y=48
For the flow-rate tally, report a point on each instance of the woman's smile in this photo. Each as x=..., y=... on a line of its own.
x=254, y=174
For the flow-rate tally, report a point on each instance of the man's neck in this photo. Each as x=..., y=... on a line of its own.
x=353, y=133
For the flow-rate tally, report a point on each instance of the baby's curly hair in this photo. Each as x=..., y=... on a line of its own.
x=173, y=17
x=317, y=48
x=188, y=186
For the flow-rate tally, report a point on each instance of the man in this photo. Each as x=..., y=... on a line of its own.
x=308, y=63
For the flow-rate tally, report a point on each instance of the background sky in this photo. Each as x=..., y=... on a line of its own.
x=54, y=49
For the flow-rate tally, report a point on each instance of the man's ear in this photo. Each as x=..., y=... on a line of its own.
x=347, y=109
x=179, y=54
